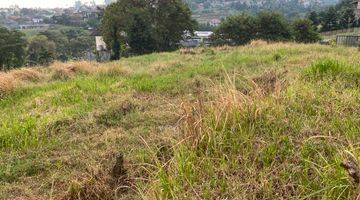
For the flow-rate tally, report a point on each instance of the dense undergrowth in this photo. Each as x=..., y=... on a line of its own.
x=263, y=121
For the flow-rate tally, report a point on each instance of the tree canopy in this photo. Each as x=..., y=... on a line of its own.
x=272, y=26
x=12, y=49
x=41, y=51
x=304, y=31
x=239, y=29
x=145, y=26
x=340, y=16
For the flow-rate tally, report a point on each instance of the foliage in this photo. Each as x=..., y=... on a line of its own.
x=272, y=27
x=70, y=43
x=336, y=17
x=304, y=31
x=12, y=49
x=239, y=29
x=41, y=51
x=261, y=121
x=145, y=26
x=292, y=9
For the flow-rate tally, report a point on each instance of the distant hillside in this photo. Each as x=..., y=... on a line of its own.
x=206, y=10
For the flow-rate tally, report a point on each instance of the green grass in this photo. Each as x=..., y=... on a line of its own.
x=259, y=121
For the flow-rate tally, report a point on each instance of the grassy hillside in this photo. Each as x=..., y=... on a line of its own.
x=263, y=121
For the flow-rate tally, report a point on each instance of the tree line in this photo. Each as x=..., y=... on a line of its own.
x=340, y=16
x=266, y=25
x=134, y=27
x=42, y=49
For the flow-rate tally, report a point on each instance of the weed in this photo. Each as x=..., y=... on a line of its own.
x=6, y=84
x=225, y=122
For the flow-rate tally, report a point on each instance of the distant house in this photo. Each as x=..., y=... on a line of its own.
x=197, y=39
x=215, y=22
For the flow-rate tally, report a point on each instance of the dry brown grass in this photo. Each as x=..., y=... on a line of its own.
x=258, y=43
x=7, y=84
x=27, y=74
x=63, y=71
x=188, y=51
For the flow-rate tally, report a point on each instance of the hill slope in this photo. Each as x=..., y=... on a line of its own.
x=206, y=10
x=263, y=120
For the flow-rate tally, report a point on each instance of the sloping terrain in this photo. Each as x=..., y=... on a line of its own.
x=262, y=121
x=206, y=10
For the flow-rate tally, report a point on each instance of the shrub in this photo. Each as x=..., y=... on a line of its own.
x=304, y=32
x=238, y=30
x=25, y=74
x=6, y=84
x=272, y=27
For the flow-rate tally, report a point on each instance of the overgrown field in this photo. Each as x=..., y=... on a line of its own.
x=262, y=121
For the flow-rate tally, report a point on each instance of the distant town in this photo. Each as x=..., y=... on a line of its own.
x=80, y=15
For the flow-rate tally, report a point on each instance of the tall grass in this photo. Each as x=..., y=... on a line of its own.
x=262, y=121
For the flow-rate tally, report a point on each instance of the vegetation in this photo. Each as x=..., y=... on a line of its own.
x=304, y=31
x=41, y=51
x=273, y=27
x=12, y=49
x=210, y=9
x=70, y=43
x=43, y=47
x=340, y=16
x=145, y=26
x=257, y=121
x=268, y=26
x=240, y=29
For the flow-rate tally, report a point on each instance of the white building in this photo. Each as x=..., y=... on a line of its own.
x=199, y=38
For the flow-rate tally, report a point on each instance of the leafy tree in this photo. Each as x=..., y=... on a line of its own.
x=171, y=18
x=61, y=43
x=329, y=19
x=272, y=27
x=71, y=43
x=140, y=33
x=145, y=26
x=304, y=31
x=239, y=29
x=347, y=18
x=115, y=24
x=339, y=16
x=314, y=18
x=41, y=51
x=12, y=49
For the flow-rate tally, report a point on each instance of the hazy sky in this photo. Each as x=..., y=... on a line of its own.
x=41, y=3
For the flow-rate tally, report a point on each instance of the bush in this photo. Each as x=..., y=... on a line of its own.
x=238, y=30
x=272, y=27
x=41, y=51
x=304, y=31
